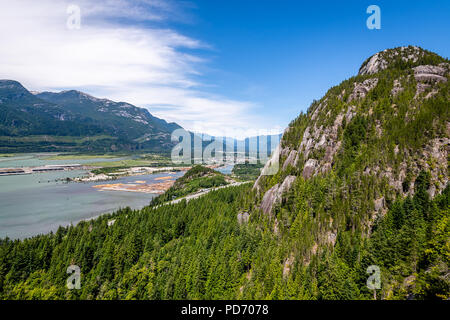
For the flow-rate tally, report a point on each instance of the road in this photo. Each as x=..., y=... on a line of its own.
x=202, y=193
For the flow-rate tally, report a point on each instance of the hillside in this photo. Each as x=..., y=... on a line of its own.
x=372, y=151
x=378, y=129
x=195, y=179
x=74, y=121
x=363, y=181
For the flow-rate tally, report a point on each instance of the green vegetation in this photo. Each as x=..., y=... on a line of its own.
x=198, y=250
x=318, y=240
x=152, y=253
x=193, y=180
x=71, y=121
x=153, y=160
x=50, y=138
x=138, y=160
x=51, y=143
x=247, y=171
x=413, y=240
x=127, y=163
x=109, y=170
x=81, y=156
x=333, y=214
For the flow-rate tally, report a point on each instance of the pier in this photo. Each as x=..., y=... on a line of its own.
x=46, y=168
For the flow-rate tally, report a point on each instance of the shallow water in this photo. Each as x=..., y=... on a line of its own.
x=226, y=169
x=36, y=203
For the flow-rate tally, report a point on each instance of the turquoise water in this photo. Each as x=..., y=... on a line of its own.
x=36, y=203
x=226, y=169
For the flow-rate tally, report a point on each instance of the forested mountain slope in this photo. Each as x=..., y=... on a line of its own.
x=363, y=181
x=119, y=118
x=194, y=180
x=73, y=120
x=22, y=113
x=345, y=166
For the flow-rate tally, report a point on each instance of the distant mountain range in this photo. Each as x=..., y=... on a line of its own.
x=250, y=146
x=75, y=121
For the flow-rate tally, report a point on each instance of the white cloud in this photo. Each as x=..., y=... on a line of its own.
x=127, y=62
x=137, y=10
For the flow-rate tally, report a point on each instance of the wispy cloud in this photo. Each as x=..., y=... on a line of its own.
x=134, y=61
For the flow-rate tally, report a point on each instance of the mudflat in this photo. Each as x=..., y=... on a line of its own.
x=158, y=188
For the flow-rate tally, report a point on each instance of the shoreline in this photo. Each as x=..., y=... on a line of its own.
x=153, y=188
x=130, y=172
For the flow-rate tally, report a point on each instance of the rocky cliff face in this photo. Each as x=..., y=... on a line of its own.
x=384, y=59
x=395, y=87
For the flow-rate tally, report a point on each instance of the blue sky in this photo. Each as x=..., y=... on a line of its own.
x=284, y=54
x=231, y=67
